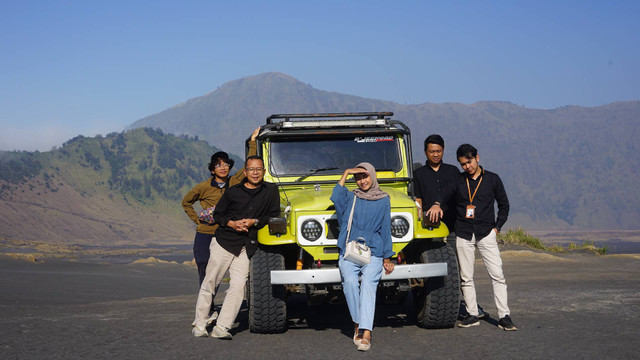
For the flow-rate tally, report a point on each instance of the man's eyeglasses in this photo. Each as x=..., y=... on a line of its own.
x=221, y=165
x=255, y=170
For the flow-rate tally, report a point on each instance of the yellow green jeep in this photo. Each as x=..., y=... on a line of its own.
x=305, y=155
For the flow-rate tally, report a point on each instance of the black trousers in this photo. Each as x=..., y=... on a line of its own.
x=201, y=245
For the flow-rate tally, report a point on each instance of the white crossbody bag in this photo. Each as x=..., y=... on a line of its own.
x=356, y=250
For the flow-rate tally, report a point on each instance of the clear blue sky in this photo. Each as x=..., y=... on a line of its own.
x=94, y=67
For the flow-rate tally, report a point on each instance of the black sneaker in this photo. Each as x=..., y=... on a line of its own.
x=481, y=313
x=469, y=321
x=462, y=313
x=506, y=324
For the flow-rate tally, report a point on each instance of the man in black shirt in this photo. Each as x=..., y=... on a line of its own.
x=241, y=212
x=477, y=226
x=431, y=181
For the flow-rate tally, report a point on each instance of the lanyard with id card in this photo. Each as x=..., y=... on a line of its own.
x=471, y=209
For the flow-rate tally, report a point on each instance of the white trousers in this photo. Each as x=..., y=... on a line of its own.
x=490, y=253
x=220, y=261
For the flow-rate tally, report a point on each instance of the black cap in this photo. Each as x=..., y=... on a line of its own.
x=220, y=155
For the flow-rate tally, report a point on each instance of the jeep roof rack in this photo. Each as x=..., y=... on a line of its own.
x=331, y=119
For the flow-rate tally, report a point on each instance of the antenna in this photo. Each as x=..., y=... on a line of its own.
x=279, y=184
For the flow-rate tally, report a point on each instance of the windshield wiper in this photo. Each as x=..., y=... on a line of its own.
x=313, y=172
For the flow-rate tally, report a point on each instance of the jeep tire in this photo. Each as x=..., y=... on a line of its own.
x=267, y=303
x=437, y=304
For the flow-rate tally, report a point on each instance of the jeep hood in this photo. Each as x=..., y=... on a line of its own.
x=307, y=198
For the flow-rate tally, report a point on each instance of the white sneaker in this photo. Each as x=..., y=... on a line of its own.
x=199, y=331
x=364, y=345
x=212, y=318
x=220, y=333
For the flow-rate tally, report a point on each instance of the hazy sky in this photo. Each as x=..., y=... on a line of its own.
x=94, y=67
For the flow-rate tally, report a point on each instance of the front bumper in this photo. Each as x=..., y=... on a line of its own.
x=327, y=276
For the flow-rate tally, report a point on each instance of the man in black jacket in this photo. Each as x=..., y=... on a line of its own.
x=477, y=226
x=241, y=212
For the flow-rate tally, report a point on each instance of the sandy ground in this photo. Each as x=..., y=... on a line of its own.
x=567, y=306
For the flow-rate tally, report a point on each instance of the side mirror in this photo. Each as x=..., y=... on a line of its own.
x=429, y=225
x=277, y=226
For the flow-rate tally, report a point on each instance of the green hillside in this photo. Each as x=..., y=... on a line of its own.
x=124, y=186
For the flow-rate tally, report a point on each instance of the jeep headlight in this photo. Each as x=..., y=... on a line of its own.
x=399, y=226
x=311, y=230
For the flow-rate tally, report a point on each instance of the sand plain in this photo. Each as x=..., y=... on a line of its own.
x=566, y=306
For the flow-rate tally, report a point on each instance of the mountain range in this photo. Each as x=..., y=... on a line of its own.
x=567, y=168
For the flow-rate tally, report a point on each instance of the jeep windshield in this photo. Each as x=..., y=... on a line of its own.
x=317, y=156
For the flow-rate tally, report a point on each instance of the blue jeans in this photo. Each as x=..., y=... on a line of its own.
x=361, y=296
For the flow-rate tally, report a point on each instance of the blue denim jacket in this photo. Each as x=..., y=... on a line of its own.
x=371, y=220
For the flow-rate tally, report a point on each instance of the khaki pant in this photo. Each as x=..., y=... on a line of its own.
x=490, y=253
x=220, y=261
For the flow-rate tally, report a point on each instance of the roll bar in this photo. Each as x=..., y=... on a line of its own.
x=368, y=115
